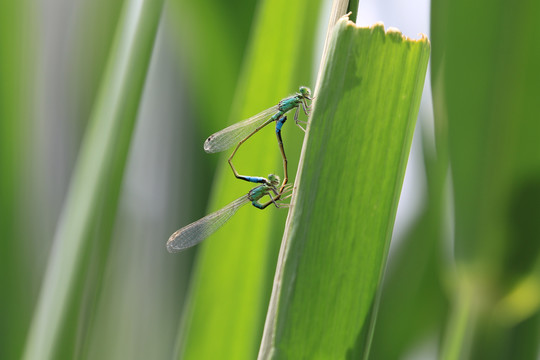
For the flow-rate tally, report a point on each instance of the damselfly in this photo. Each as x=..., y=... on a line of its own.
x=238, y=133
x=196, y=232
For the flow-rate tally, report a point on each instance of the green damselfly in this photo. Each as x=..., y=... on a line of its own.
x=238, y=133
x=192, y=234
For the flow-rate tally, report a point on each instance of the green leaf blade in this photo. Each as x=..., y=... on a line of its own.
x=339, y=231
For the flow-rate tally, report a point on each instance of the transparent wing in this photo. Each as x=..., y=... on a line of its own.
x=224, y=139
x=196, y=232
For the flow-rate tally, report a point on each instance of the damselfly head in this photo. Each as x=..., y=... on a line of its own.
x=305, y=92
x=274, y=179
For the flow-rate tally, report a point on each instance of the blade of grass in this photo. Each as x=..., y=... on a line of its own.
x=352, y=168
x=98, y=173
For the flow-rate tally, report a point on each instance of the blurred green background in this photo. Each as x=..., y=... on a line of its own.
x=463, y=277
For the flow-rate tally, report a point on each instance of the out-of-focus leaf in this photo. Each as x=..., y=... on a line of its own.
x=92, y=197
x=16, y=93
x=212, y=37
x=233, y=274
x=486, y=83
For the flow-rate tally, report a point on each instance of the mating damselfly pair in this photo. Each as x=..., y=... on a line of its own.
x=238, y=133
